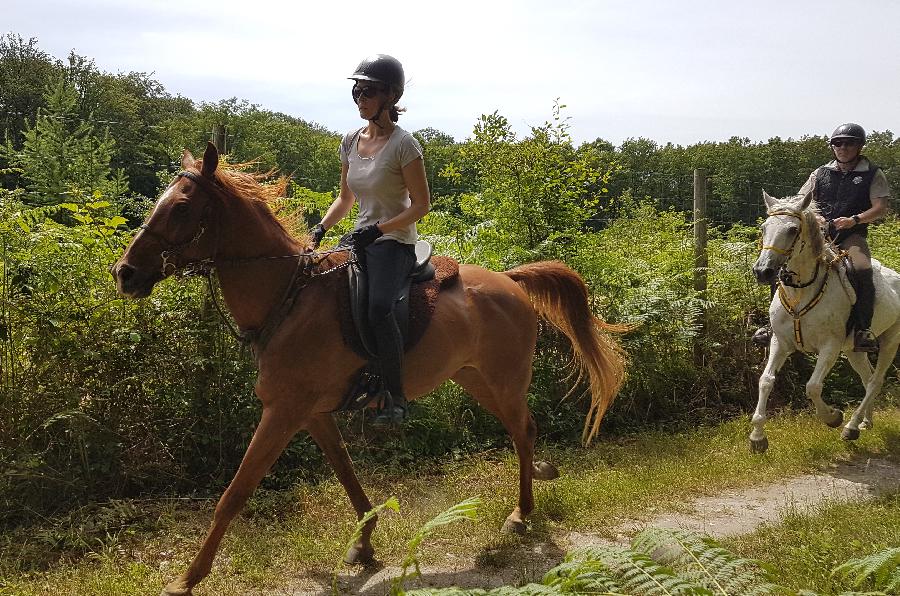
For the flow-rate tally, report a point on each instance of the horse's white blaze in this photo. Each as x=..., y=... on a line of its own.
x=165, y=197
x=821, y=310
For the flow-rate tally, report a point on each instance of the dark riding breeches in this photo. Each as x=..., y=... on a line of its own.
x=388, y=264
x=858, y=250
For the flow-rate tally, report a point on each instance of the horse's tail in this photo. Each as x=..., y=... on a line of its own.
x=561, y=297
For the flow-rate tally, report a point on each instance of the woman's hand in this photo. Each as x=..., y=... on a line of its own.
x=363, y=237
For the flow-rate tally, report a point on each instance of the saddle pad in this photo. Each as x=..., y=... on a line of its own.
x=422, y=301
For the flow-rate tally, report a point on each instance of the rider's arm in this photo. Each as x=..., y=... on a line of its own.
x=342, y=204
x=879, y=196
x=878, y=208
x=420, y=199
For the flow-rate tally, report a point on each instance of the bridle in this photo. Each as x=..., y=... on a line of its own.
x=305, y=269
x=171, y=250
x=784, y=274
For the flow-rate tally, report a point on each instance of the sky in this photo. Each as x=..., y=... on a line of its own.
x=672, y=71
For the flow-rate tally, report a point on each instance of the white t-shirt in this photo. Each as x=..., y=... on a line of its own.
x=377, y=181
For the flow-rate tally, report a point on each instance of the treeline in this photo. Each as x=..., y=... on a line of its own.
x=101, y=396
x=127, y=129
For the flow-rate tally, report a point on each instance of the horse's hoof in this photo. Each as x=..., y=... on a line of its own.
x=850, y=434
x=544, y=471
x=514, y=526
x=176, y=589
x=759, y=445
x=837, y=419
x=357, y=555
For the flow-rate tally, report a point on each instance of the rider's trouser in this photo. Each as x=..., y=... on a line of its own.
x=858, y=250
x=388, y=264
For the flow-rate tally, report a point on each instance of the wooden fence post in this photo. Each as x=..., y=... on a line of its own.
x=700, y=258
x=218, y=138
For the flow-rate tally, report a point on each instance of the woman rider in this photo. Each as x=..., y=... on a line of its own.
x=382, y=169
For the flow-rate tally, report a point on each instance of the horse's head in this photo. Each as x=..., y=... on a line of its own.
x=176, y=232
x=782, y=233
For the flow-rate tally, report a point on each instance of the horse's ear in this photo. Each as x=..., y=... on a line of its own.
x=210, y=160
x=770, y=200
x=807, y=199
x=187, y=160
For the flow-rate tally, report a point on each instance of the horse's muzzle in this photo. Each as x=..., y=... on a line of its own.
x=764, y=275
x=130, y=282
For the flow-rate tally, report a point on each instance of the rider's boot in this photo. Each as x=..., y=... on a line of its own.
x=863, y=339
x=762, y=336
x=390, y=359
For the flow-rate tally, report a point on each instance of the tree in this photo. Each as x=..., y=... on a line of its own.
x=62, y=154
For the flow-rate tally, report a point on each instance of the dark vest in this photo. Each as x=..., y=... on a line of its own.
x=840, y=194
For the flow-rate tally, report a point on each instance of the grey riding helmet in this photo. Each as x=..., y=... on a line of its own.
x=381, y=68
x=849, y=131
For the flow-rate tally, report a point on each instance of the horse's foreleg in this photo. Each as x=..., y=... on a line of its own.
x=860, y=363
x=325, y=433
x=889, y=344
x=271, y=437
x=777, y=356
x=828, y=355
x=509, y=405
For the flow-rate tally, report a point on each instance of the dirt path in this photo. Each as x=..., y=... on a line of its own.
x=728, y=513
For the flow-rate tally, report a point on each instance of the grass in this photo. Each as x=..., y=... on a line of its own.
x=802, y=550
x=302, y=531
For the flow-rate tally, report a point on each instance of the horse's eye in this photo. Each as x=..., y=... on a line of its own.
x=793, y=229
x=180, y=209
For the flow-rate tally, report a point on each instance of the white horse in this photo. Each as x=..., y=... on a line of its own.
x=810, y=311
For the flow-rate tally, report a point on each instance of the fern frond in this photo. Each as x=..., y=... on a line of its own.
x=701, y=560
x=582, y=577
x=883, y=567
x=463, y=510
x=636, y=573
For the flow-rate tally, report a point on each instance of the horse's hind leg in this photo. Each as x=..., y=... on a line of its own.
x=507, y=402
x=275, y=430
x=860, y=363
x=325, y=433
x=889, y=343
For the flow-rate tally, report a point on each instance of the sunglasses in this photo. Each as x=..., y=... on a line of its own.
x=842, y=142
x=368, y=92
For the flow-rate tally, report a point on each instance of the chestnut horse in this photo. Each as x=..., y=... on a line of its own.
x=482, y=334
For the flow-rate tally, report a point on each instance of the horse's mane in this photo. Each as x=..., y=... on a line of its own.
x=238, y=182
x=815, y=237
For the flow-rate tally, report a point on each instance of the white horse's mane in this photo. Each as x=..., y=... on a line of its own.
x=814, y=234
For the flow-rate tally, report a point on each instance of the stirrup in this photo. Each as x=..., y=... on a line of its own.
x=762, y=336
x=865, y=341
x=389, y=413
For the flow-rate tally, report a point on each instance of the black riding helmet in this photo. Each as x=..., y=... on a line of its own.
x=381, y=68
x=387, y=70
x=849, y=131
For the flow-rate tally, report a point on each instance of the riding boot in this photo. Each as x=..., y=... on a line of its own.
x=762, y=336
x=863, y=338
x=390, y=360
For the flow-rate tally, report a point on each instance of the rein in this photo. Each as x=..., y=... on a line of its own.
x=306, y=263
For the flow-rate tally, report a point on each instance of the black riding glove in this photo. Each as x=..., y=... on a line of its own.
x=363, y=237
x=318, y=232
